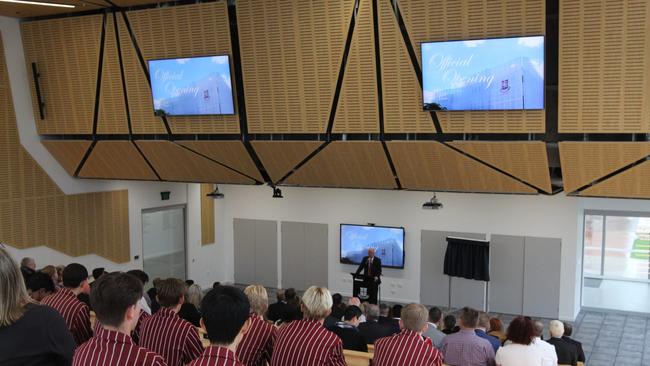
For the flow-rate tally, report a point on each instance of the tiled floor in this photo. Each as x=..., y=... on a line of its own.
x=612, y=294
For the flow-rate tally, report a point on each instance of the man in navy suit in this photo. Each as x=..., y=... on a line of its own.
x=371, y=267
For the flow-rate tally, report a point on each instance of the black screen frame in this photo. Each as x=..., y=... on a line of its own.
x=373, y=226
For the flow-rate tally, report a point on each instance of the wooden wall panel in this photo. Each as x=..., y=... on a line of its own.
x=207, y=215
x=357, y=110
x=67, y=152
x=116, y=160
x=35, y=212
x=291, y=54
x=176, y=32
x=585, y=162
x=354, y=164
x=433, y=166
x=527, y=161
x=631, y=183
x=66, y=51
x=280, y=157
x=230, y=153
x=112, y=109
x=453, y=20
x=176, y=163
x=604, y=80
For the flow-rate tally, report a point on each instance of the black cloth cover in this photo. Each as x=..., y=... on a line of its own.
x=468, y=259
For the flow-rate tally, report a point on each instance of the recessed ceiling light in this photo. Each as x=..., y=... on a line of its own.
x=27, y=2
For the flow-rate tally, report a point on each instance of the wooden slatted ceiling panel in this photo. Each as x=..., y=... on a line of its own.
x=230, y=153
x=112, y=109
x=472, y=19
x=527, y=161
x=604, y=81
x=175, y=163
x=280, y=157
x=116, y=160
x=207, y=215
x=66, y=52
x=30, y=11
x=402, y=94
x=353, y=164
x=177, y=32
x=585, y=162
x=357, y=107
x=433, y=166
x=138, y=91
x=35, y=212
x=631, y=183
x=67, y=152
x=291, y=55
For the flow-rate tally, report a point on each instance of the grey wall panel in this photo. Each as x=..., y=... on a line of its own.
x=244, y=242
x=466, y=292
x=542, y=263
x=506, y=286
x=293, y=254
x=266, y=253
x=316, y=255
x=434, y=285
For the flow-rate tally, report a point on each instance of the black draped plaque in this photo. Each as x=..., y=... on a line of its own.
x=467, y=258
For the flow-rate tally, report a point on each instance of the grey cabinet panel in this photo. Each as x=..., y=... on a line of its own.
x=316, y=255
x=266, y=253
x=466, y=292
x=506, y=286
x=293, y=254
x=542, y=264
x=244, y=242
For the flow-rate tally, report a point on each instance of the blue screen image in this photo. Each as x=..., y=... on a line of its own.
x=488, y=74
x=387, y=241
x=191, y=86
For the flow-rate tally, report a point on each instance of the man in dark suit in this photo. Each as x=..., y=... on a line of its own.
x=386, y=319
x=371, y=267
x=372, y=329
x=568, y=330
x=347, y=330
x=567, y=353
x=277, y=310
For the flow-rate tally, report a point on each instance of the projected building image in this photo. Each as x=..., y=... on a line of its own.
x=388, y=244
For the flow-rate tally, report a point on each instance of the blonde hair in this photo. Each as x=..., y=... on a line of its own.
x=556, y=328
x=258, y=298
x=50, y=270
x=13, y=294
x=194, y=295
x=414, y=317
x=317, y=303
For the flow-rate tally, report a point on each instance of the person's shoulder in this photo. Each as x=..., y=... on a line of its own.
x=151, y=358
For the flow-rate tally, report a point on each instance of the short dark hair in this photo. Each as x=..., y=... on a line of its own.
x=224, y=311
x=520, y=331
x=396, y=311
x=290, y=293
x=40, y=280
x=139, y=274
x=337, y=298
x=98, y=272
x=469, y=317
x=216, y=284
x=449, y=321
x=435, y=314
x=74, y=274
x=352, y=311
x=384, y=310
x=568, y=329
x=112, y=295
x=189, y=282
x=170, y=292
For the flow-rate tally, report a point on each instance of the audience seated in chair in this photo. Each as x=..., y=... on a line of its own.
x=40, y=286
x=449, y=324
x=305, y=342
x=175, y=339
x=396, y=311
x=348, y=332
x=519, y=349
x=482, y=329
x=27, y=268
x=116, y=300
x=338, y=307
x=372, y=329
x=496, y=329
x=65, y=301
x=408, y=347
x=567, y=353
x=277, y=310
x=433, y=330
x=190, y=310
x=355, y=301
x=145, y=304
x=152, y=292
x=465, y=347
x=30, y=334
x=549, y=357
x=568, y=330
x=226, y=317
x=256, y=347
x=385, y=318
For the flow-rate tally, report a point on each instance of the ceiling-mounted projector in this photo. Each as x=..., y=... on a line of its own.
x=432, y=204
x=215, y=194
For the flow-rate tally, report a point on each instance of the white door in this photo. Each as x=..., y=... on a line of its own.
x=163, y=242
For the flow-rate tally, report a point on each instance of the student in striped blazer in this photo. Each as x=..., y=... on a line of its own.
x=256, y=347
x=176, y=339
x=225, y=314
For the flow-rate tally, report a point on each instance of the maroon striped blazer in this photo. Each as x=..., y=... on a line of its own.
x=75, y=313
x=216, y=356
x=406, y=348
x=171, y=337
x=307, y=343
x=112, y=348
x=256, y=347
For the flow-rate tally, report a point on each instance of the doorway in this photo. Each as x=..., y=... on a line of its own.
x=164, y=252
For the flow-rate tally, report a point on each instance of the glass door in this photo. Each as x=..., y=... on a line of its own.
x=163, y=242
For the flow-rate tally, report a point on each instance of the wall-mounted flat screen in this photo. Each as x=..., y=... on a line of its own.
x=387, y=241
x=191, y=86
x=483, y=74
